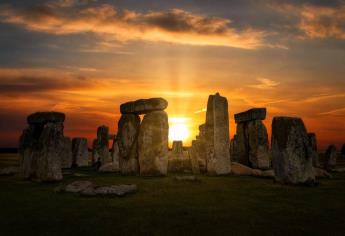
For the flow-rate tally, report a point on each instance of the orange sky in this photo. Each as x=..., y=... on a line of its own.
x=85, y=58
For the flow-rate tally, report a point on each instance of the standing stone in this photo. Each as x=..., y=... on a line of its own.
x=95, y=157
x=291, y=151
x=242, y=144
x=177, y=149
x=258, y=145
x=153, y=144
x=115, y=155
x=251, y=139
x=217, y=136
x=144, y=106
x=80, y=152
x=67, y=156
x=127, y=141
x=102, y=146
x=194, y=159
x=41, y=146
x=331, y=158
x=313, y=145
x=343, y=150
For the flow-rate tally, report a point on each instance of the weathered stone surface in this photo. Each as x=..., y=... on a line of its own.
x=194, y=158
x=179, y=165
x=45, y=117
x=198, y=153
x=67, y=155
x=242, y=144
x=342, y=151
x=144, y=106
x=217, y=136
x=48, y=153
x=10, y=170
x=190, y=178
x=109, y=168
x=259, y=157
x=115, y=155
x=313, y=145
x=102, y=147
x=331, y=158
x=291, y=151
x=321, y=173
x=80, y=152
x=28, y=142
x=177, y=149
x=41, y=147
x=95, y=157
x=252, y=114
x=78, y=186
x=239, y=169
x=114, y=190
x=127, y=141
x=153, y=144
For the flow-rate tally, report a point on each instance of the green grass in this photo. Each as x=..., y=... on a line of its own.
x=228, y=205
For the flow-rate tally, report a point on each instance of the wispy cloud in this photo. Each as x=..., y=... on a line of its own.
x=174, y=25
x=264, y=83
x=316, y=21
x=339, y=111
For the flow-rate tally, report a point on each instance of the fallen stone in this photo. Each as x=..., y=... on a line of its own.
x=127, y=141
x=186, y=178
x=113, y=190
x=331, y=158
x=78, y=186
x=11, y=170
x=239, y=169
x=144, y=106
x=45, y=117
x=217, y=136
x=322, y=173
x=340, y=170
x=252, y=114
x=291, y=152
x=80, y=152
x=109, y=168
x=153, y=144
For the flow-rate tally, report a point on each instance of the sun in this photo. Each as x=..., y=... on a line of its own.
x=178, y=129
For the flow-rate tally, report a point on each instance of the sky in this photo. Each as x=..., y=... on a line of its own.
x=86, y=57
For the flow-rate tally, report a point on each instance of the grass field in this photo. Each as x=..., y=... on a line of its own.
x=228, y=205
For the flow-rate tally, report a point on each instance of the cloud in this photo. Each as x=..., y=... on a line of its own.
x=173, y=26
x=264, y=83
x=316, y=21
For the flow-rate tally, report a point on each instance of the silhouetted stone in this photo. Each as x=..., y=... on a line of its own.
x=252, y=114
x=291, y=151
x=217, y=136
x=177, y=149
x=95, y=157
x=45, y=117
x=242, y=144
x=258, y=145
x=80, y=152
x=194, y=158
x=67, y=156
x=313, y=145
x=102, y=146
x=144, y=106
x=331, y=158
x=153, y=144
x=115, y=155
x=41, y=147
x=342, y=151
x=127, y=140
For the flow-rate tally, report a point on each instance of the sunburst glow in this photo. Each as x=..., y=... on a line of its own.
x=178, y=129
